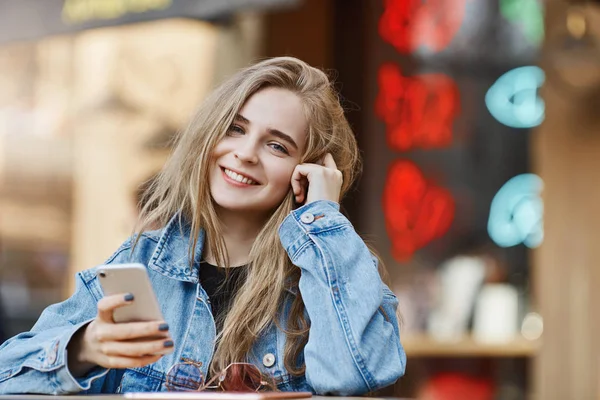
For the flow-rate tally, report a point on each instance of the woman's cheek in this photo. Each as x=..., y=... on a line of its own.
x=284, y=179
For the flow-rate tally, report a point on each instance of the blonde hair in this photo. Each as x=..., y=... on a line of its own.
x=183, y=187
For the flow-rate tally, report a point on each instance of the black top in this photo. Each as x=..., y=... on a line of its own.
x=221, y=291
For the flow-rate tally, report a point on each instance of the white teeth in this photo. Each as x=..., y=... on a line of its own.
x=238, y=177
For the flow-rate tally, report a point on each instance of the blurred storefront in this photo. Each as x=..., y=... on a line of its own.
x=92, y=92
x=476, y=120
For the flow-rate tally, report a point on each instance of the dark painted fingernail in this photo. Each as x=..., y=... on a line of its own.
x=168, y=343
x=128, y=297
x=163, y=327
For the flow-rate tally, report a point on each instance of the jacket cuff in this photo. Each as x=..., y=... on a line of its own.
x=310, y=219
x=65, y=379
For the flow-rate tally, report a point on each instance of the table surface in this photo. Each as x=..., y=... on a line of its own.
x=119, y=397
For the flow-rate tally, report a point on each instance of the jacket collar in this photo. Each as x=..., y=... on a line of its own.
x=171, y=256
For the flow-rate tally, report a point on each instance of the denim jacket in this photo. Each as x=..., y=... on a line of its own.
x=354, y=341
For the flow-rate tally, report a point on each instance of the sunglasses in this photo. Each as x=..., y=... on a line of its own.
x=236, y=377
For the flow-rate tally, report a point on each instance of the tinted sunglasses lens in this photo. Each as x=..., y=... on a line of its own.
x=184, y=377
x=242, y=378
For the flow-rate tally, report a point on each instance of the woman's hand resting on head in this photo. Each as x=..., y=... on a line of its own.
x=322, y=182
x=117, y=345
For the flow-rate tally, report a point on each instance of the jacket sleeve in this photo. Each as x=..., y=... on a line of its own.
x=354, y=341
x=36, y=361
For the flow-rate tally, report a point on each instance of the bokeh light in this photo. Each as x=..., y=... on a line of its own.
x=419, y=110
x=416, y=210
x=513, y=99
x=516, y=213
x=411, y=24
x=527, y=15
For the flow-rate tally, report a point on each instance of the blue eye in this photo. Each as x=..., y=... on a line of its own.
x=236, y=129
x=279, y=148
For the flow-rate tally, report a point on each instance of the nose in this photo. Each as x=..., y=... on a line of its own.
x=247, y=152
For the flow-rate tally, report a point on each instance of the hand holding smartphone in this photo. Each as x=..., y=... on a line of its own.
x=129, y=330
x=130, y=279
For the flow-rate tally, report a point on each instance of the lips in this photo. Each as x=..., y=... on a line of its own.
x=240, y=177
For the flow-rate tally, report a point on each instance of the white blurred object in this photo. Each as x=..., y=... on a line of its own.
x=532, y=326
x=407, y=307
x=460, y=280
x=415, y=299
x=496, y=314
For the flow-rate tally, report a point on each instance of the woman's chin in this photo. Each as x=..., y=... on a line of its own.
x=239, y=207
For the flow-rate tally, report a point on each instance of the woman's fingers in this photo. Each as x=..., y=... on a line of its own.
x=299, y=181
x=312, y=182
x=126, y=345
x=108, y=304
x=132, y=330
x=329, y=162
x=115, y=362
x=137, y=349
x=123, y=345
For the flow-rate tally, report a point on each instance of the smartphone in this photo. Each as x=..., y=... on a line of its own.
x=130, y=278
x=210, y=395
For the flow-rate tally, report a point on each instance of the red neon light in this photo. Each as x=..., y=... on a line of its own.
x=410, y=24
x=419, y=110
x=416, y=211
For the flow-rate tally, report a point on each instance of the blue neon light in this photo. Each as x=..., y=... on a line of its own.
x=516, y=213
x=513, y=99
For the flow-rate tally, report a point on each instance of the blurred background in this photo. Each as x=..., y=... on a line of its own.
x=477, y=120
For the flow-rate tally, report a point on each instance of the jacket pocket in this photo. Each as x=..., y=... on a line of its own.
x=142, y=379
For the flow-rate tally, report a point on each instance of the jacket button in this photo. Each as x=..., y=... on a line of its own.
x=307, y=218
x=269, y=360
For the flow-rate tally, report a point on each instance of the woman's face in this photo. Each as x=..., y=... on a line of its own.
x=254, y=162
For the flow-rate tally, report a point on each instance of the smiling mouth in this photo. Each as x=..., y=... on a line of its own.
x=239, y=178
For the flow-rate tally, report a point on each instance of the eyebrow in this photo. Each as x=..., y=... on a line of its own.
x=274, y=132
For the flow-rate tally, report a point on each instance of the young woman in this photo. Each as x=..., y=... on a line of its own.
x=254, y=266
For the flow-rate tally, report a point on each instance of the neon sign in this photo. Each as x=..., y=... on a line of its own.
x=528, y=15
x=516, y=213
x=513, y=99
x=419, y=111
x=410, y=24
x=416, y=210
